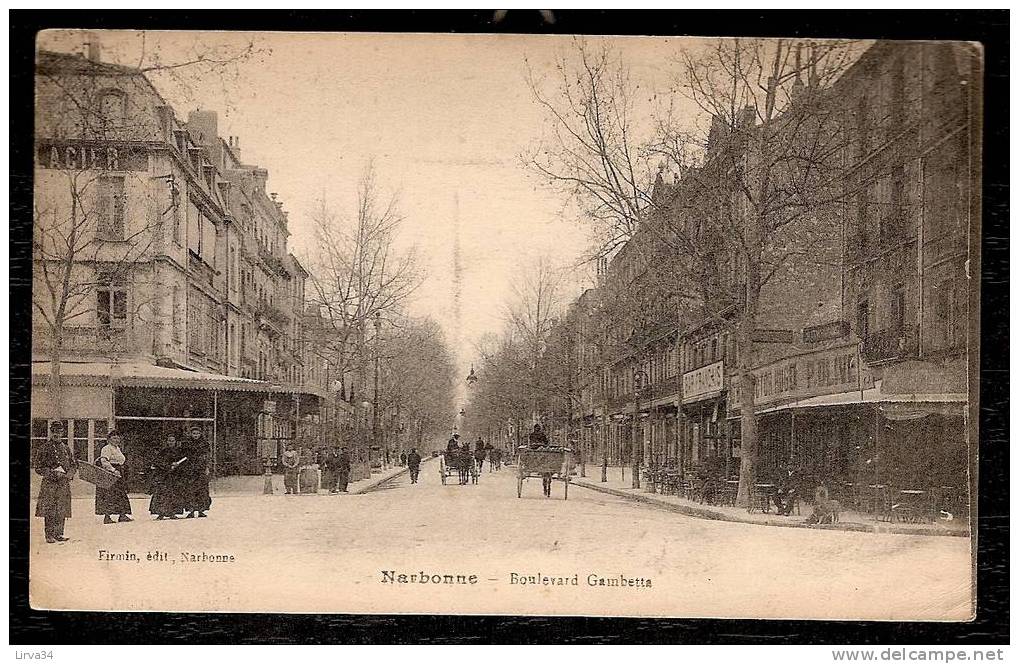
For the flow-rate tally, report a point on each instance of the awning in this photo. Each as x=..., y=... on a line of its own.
x=143, y=374
x=947, y=401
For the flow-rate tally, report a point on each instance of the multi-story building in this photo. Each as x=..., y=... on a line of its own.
x=165, y=294
x=861, y=341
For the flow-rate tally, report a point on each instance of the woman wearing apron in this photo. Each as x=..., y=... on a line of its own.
x=113, y=500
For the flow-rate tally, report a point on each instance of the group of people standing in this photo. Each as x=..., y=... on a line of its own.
x=180, y=480
x=334, y=465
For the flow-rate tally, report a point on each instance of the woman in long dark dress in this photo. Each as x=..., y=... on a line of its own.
x=195, y=475
x=54, y=462
x=166, y=501
x=113, y=500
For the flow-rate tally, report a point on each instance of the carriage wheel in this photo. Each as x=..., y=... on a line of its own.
x=443, y=476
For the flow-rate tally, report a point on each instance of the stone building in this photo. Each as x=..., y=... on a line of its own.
x=862, y=340
x=164, y=292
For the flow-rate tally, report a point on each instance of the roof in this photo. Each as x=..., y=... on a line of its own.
x=144, y=374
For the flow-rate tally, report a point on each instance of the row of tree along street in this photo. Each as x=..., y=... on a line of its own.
x=782, y=254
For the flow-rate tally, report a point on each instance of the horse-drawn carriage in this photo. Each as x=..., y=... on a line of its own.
x=450, y=465
x=550, y=461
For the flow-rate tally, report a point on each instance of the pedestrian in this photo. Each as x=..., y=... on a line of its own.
x=331, y=472
x=54, y=462
x=291, y=462
x=414, y=464
x=403, y=458
x=785, y=495
x=328, y=475
x=113, y=500
x=166, y=499
x=195, y=474
x=343, y=470
x=537, y=440
x=479, y=454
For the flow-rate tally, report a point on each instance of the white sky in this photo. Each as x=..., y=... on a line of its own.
x=440, y=115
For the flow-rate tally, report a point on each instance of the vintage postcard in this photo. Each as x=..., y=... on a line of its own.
x=505, y=324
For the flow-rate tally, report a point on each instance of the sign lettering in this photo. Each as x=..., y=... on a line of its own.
x=91, y=156
x=703, y=381
x=773, y=336
x=834, y=330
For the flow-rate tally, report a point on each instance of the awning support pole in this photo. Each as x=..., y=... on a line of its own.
x=215, y=417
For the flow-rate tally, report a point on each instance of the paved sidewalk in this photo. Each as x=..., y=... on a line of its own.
x=255, y=484
x=848, y=520
x=245, y=485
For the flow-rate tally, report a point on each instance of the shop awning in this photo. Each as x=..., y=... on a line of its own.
x=943, y=403
x=143, y=374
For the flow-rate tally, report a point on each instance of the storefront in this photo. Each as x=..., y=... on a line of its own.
x=243, y=420
x=704, y=436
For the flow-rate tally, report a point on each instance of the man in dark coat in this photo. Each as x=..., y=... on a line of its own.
x=55, y=463
x=329, y=462
x=536, y=440
x=480, y=451
x=414, y=465
x=195, y=474
x=342, y=464
x=166, y=496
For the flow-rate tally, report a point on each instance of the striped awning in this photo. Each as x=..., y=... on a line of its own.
x=143, y=374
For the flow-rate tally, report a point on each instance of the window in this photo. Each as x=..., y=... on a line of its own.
x=194, y=228
x=897, y=308
x=112, y=109
x=175, y=321
x=111, y=206
x=863, y=319
x=111, y=307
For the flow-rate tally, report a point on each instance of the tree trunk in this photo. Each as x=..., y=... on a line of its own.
x=745, y=342
x=635, y=445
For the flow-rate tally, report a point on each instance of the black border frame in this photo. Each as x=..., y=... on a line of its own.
x=28, y=626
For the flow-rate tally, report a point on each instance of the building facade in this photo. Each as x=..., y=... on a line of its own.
x=165, y=292
x=862, y=340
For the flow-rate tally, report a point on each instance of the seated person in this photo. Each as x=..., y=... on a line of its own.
x=826, y=510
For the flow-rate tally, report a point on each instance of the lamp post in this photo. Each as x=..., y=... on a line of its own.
x=640, y=378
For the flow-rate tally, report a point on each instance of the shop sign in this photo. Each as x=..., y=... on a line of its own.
x=772, y=336
x=91, y=156
x=834, y=330
x=701, y=382
x=826, y=372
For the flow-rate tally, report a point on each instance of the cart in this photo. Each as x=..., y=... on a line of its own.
x=557, y=461
x=449, y=466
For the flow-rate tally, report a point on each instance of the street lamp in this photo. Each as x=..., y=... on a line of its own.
x=472, y=378
x=640, y=378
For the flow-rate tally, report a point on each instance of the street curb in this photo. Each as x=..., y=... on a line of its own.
x=705, y=513
x=382, y=480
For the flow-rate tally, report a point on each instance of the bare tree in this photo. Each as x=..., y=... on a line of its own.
x=359, y=274
x=757, y=194
x=418, y=378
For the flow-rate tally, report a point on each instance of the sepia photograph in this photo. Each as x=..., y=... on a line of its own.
x=505, y=325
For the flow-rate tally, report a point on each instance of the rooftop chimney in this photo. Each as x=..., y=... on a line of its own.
x=90, y=46
x=204, y=126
